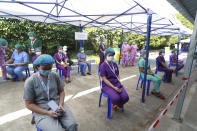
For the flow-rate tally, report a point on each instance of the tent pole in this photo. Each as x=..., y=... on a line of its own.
x=187, y=71
x=147, y=52
x=81, y=41
x=121, y=46
x=177, y=56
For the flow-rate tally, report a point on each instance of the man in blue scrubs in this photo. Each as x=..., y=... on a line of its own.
x=19, y=61
x=81, y=56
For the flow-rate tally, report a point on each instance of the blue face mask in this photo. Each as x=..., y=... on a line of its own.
x=45, y=72
x=61, y=51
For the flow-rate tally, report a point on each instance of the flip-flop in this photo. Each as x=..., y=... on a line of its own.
x=114, y=107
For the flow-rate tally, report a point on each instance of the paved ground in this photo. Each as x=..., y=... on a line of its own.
x=82, y=98
x=189, y=115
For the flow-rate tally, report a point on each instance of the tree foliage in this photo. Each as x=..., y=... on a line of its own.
x=52, y=35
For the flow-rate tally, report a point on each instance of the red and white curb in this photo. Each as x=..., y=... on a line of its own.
x=155, y=123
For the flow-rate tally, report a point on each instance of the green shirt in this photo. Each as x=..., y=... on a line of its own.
x=142, y=64
x=36, y=44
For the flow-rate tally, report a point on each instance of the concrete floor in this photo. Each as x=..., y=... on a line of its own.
x=84, y=105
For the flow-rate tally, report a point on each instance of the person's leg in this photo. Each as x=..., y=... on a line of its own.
x=89, y=66
x=68, y=121
x=123, y=59
x=168, y=73
x=4, y=73
x=19, y=72
x=126, y=59
x=114, y=96
x=68, y=71
x=48, y=123
x=124, y=97
x=156, y=82
x=180, y=66
x=84, y=66
x=133, y=60
x=10, y=70
x=61, y=67
x=3, y=68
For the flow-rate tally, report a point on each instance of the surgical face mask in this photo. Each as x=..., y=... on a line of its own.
x=110, y=58
x=4, y=47
x=61, y=51
x=82, y=51
x=163, y=54
x=38, y=53
x=31, y=38
x=65, y=49
x=45, y=72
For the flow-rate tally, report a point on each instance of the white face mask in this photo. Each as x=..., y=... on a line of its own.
x=31, y=38
x=110, y=58
x=38, y=53
x=82, y=51
x=65, y=49
x=163, y=54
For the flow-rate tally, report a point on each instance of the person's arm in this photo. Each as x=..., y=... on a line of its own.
x=148, y=73
x=110, y=84
x=102, y=50
x=21, y=64
x=66, y=61
x=61, y=92
x=58, y=62
x=80, y=60
x=173, y=60
x=10, y=61
x=151, y=72
x=34, y=108
x=62, y=95
x=164, y=64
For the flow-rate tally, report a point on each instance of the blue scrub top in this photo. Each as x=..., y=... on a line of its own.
x=23, y=57
x=82, y=56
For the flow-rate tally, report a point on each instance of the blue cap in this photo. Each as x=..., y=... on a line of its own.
x=59, y=47
x=109, y=50
x=44, y=60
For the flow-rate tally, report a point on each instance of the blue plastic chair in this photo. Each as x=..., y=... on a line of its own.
x=60, y=72
x=27, y=72
x=106, y=96
x=80, y=68
x=142, y=81
x=157, y=70
x=38, y=129
x=170, y=62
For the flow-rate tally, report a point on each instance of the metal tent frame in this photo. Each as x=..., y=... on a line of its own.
x=134, y=19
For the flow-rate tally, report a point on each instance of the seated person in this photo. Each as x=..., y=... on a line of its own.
x=38, y=53
x=67, y=55
x=82, y=61
x=3, y=45
x=150, y=76
x=111, y=84
x=174, y=59
x=20, y=60
x=62, y=63
x=44, y=87
x=162, y=66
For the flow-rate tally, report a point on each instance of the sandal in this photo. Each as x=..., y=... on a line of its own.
x=158, y=95
x=89, y=73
